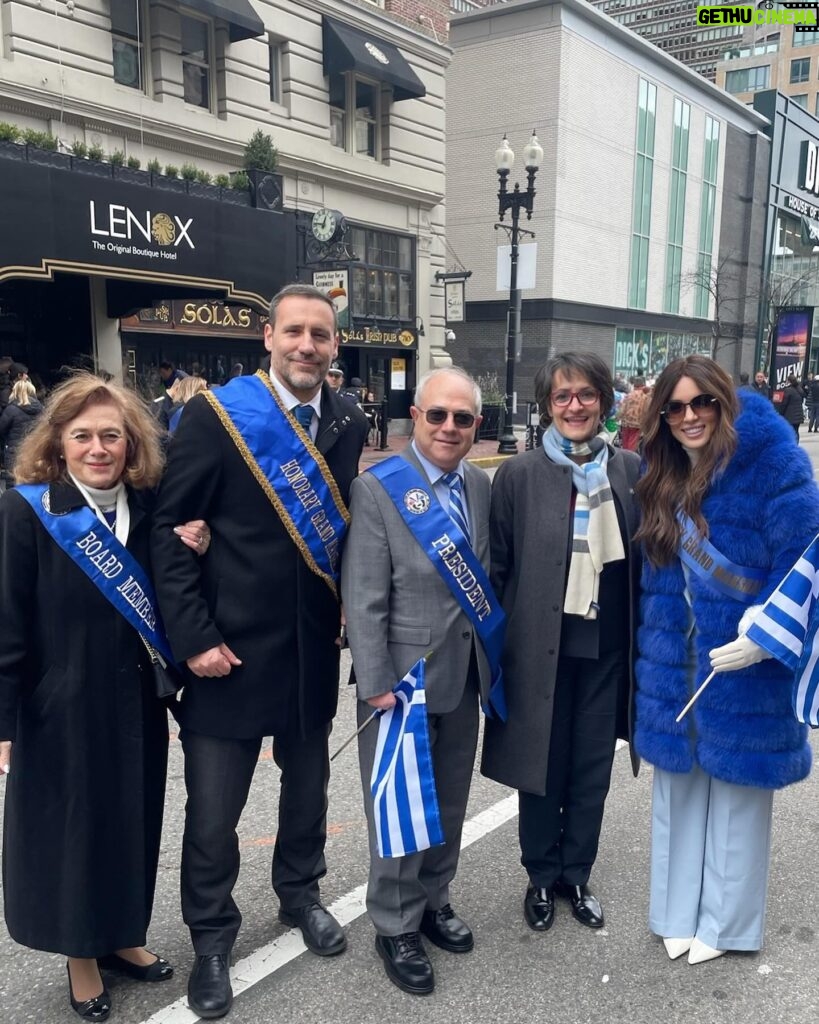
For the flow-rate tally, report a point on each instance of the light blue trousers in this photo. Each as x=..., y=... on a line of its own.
x=710, y=854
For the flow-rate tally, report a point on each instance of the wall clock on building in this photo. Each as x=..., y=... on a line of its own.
x=326, y=225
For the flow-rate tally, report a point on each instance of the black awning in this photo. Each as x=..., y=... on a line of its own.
x=244, y=22
x=349, y=49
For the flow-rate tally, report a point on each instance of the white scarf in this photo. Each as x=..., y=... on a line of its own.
x=112, y=497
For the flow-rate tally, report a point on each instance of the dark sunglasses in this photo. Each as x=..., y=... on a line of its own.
x=438, y=416
x=675, y=411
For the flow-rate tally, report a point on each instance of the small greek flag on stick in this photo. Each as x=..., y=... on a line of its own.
x=788, y=626
x=405, y=804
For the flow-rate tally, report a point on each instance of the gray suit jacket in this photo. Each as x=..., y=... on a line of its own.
x=397, y=605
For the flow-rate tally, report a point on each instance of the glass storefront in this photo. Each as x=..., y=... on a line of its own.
x=647, y=353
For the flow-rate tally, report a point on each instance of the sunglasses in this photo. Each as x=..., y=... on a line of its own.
x=438, y=416
x=586, y=396
x=700, y=404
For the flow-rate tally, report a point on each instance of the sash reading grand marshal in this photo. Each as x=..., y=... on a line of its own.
x=740, y=582
x=106, y=562
x=288, y=467
x=454, y=560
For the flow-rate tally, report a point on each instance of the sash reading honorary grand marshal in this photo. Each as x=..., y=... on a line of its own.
x=288, y=467
x=106, y=562
x=737, y=581
x=455, y=561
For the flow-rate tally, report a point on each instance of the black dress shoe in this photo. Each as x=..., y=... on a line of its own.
x=159, y=970
x=406, y=962
x=209, y=991
x=539, y=908
x=322, y=934
x=585, y=907
x=93, y=1009
x=447, y=930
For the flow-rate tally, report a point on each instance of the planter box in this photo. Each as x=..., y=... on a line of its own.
x=95, y=167
x=236, y=197
x=12, y=150
x=49, y=157
x=489, y=430
x=199, y=188
x=136, y=177
x=169, y=184
x=266, y=190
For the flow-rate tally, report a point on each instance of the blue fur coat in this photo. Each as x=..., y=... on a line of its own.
x=763, y=511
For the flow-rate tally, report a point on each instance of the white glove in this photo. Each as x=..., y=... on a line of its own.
x=740, y=653
x=748, y=617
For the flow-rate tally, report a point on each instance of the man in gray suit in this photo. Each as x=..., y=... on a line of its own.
x=398, y=607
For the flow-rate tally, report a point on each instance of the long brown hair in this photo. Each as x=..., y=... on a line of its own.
x=39, y=458
x=672, y=481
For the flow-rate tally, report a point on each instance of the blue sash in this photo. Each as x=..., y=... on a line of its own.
x=106, y=562
x=288, y=467
x=454, y=560
x=699, y=554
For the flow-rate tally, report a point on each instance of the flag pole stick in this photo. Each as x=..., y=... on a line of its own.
x=690, y=704
x=359, y=730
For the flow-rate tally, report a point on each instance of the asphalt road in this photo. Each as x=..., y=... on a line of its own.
x=569, y=976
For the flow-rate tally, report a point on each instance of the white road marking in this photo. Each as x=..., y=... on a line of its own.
x=268, y=959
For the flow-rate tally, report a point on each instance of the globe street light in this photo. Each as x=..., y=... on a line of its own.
x=514, y=201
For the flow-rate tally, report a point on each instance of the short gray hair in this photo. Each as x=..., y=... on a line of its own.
x=456, y=371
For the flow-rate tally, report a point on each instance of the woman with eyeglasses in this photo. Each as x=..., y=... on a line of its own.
x=728, y=504
x=566, y=573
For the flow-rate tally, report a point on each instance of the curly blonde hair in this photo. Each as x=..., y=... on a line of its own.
x=39, y=458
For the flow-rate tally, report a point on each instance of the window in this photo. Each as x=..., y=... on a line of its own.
x=748, y=79
x=708, y=202
x=275, y=50
x=355, y=114
x=643, y=185
x=808, y=38
x=800, y=70
x=127, y=34
x=676, y=206
x=197, y=61
x=801, y=100
x=382, y=281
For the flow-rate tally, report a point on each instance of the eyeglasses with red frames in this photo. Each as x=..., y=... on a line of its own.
x=701, y=405
x=438, y=416
x=586, y=397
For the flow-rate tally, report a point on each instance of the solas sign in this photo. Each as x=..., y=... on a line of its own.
x=127, y=231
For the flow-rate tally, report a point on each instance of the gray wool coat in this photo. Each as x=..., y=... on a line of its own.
x=530, y=531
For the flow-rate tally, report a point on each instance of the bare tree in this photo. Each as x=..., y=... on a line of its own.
x=722, y=281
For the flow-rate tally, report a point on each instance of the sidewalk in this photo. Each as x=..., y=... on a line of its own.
x=483, y=453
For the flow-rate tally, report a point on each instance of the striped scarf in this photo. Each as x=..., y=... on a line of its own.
x=596, y=536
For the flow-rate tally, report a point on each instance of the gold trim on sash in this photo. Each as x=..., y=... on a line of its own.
x=268, y=488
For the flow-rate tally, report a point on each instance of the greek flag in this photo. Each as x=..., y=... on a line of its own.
x=788, y=628
x=405, y=804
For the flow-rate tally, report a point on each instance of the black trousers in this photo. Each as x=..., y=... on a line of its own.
x=560, y=832
x=218, y=773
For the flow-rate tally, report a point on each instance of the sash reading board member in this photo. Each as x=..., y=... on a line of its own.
x=257, y=622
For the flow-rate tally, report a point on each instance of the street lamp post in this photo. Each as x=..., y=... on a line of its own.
x=514, y=201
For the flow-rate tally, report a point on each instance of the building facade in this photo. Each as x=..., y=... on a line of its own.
x=650, y=208
x=780, y=57
x=149, y=252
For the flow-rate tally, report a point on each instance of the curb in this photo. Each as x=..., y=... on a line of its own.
x=489, y=461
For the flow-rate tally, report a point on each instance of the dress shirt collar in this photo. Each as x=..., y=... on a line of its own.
x=289, y=400
x=433, y=472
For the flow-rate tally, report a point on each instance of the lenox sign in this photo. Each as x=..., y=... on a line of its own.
x=116, y=221
x=809, y=167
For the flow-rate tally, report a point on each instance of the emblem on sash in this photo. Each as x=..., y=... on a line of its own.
x=416, y=501
x=46, y=503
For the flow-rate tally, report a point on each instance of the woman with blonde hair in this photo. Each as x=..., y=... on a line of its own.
x=182, y=391
x=17, y=419
x=83, y=734
x=728, y=504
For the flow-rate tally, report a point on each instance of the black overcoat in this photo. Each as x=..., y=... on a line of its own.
x=530, y=526
x=84, y=799
x=253, y=589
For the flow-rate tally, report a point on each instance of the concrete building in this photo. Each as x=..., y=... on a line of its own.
x=780, y=57
x=353, y=97
x=651, y=199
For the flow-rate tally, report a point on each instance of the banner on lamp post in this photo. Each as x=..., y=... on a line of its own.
x=527, y=263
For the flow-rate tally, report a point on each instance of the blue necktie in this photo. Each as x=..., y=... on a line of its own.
x=456, y=503
x=304, y=414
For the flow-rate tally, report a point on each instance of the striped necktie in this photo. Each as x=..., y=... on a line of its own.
x=456, y=503
x=304, y=414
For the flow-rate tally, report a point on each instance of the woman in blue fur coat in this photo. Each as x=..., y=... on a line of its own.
x=731, y=466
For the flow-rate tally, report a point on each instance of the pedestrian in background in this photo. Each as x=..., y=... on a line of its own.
x=790, y=403
x=632, y=408
x=83, y=734
x=728, y=504
x=16, y=421
x=566, y=573
x=812, y=396
x=760, y=384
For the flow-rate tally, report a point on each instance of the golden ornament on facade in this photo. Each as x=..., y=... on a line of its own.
x=163, y=229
